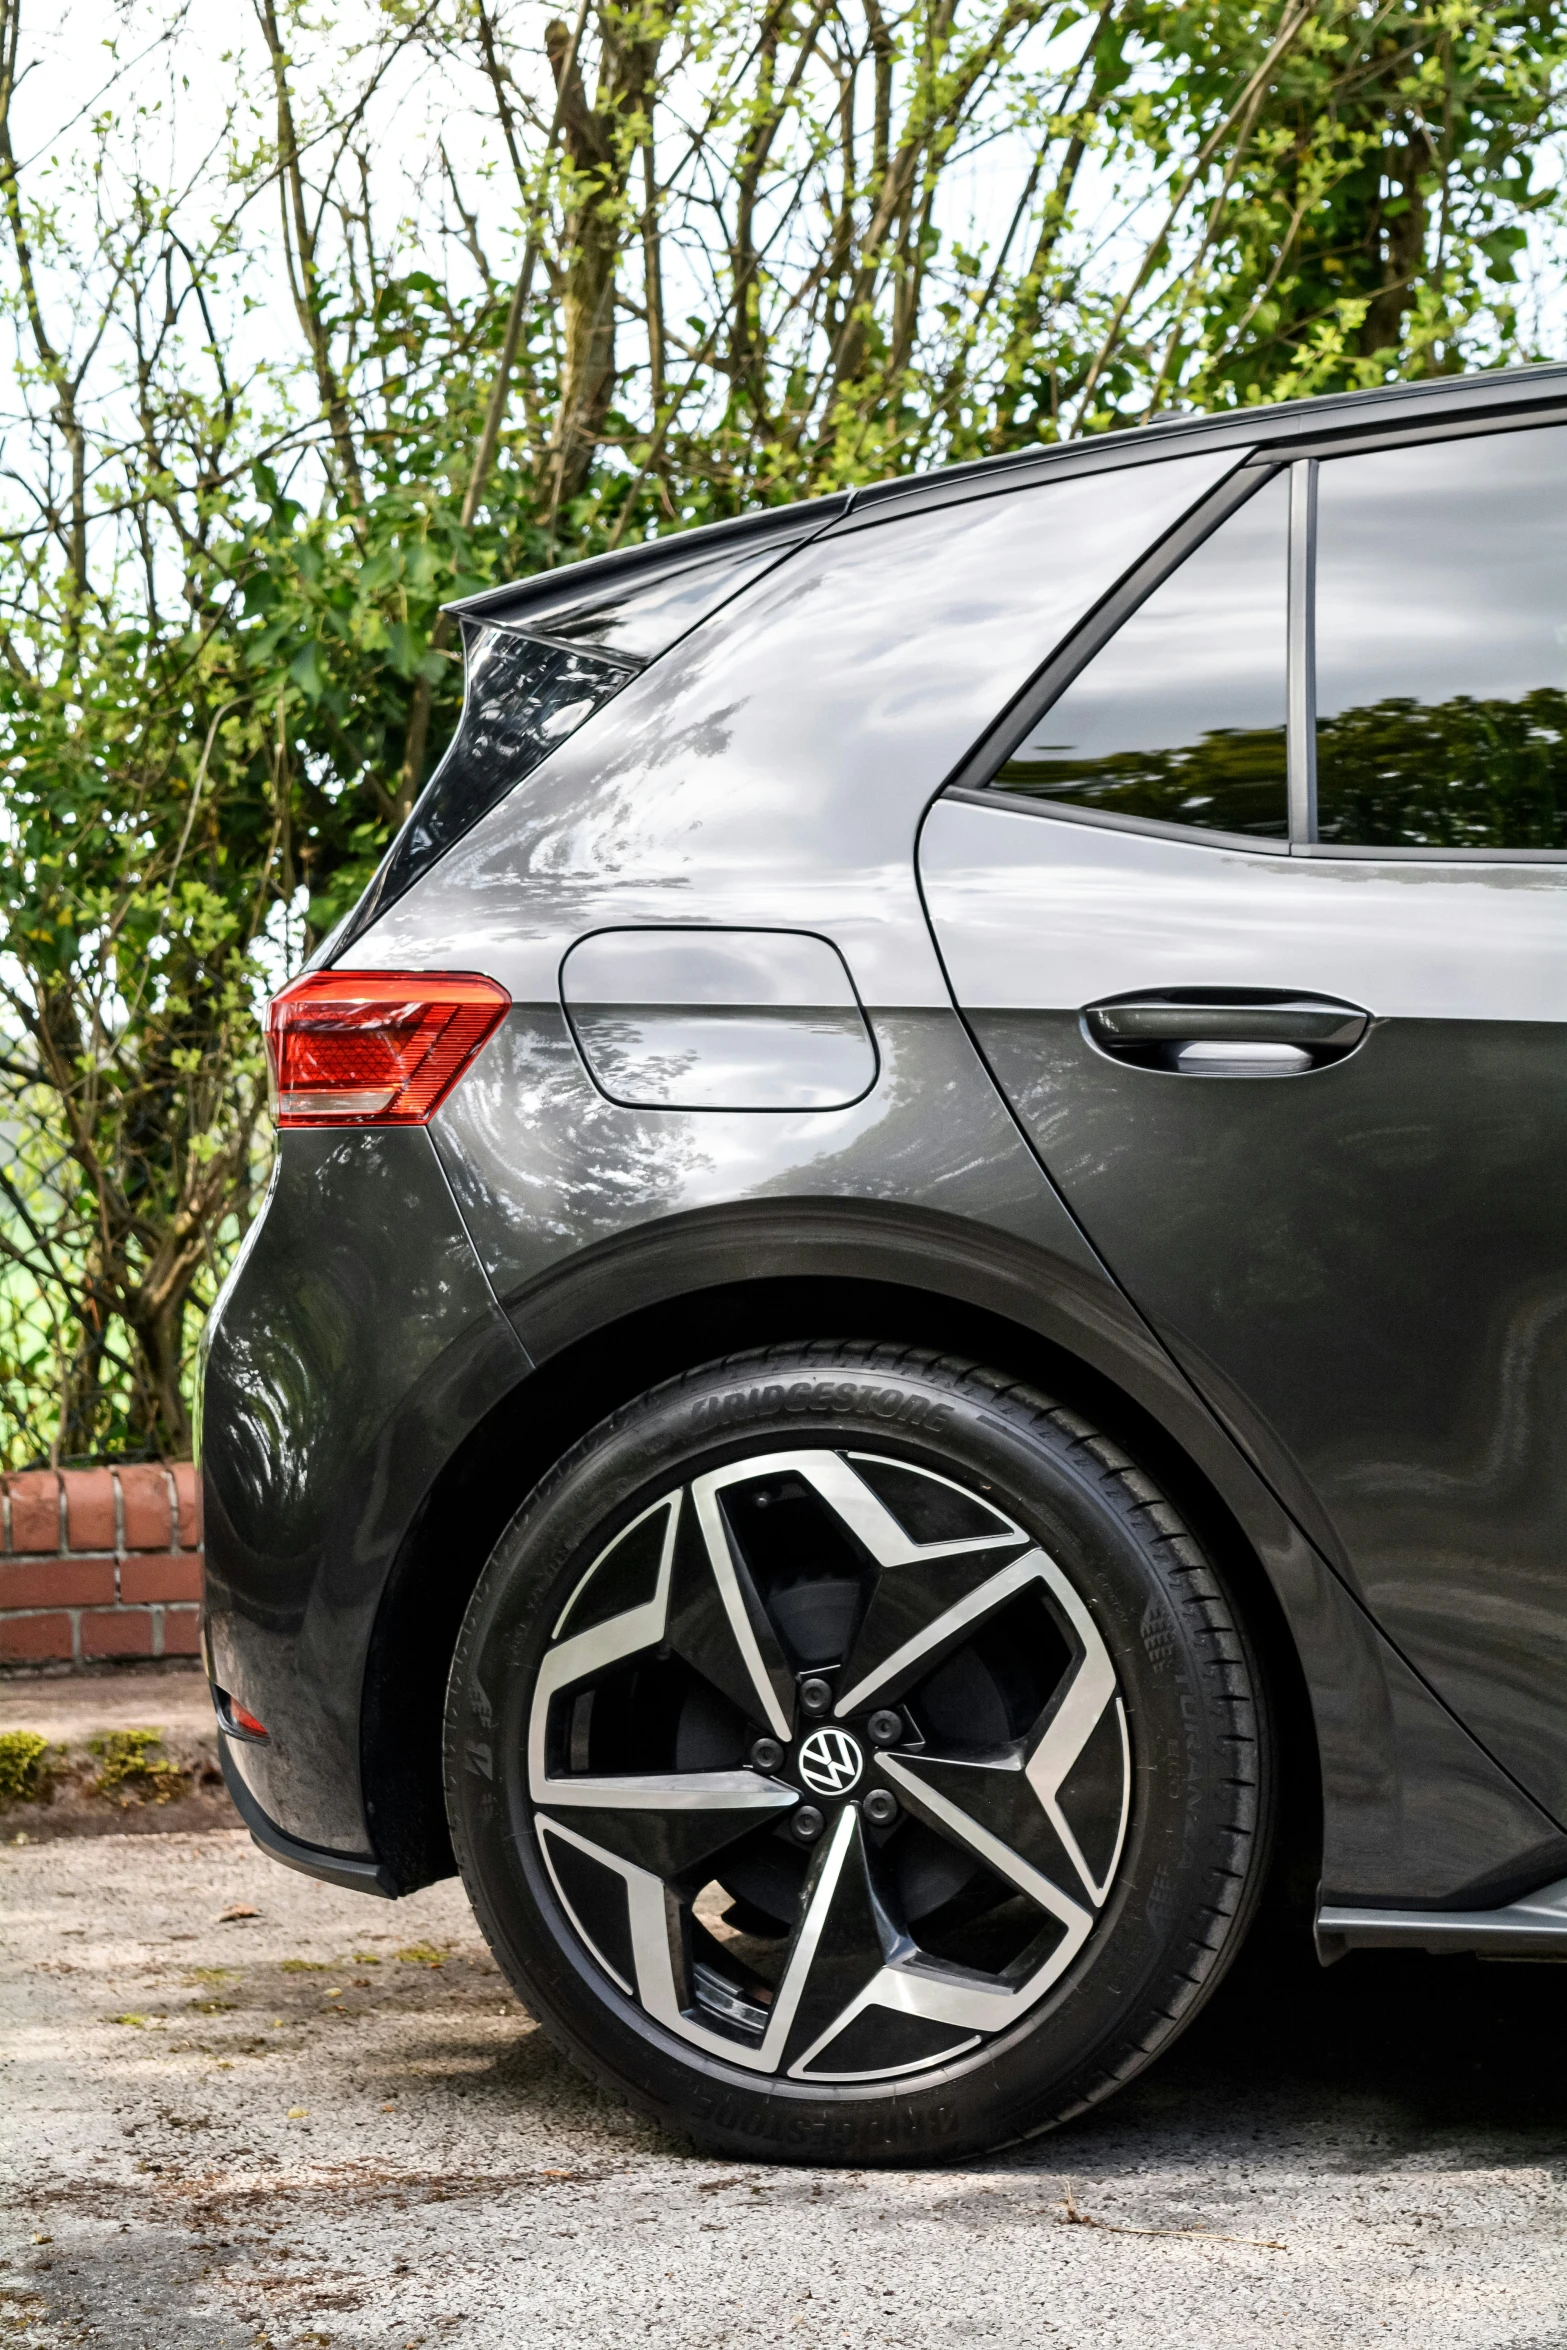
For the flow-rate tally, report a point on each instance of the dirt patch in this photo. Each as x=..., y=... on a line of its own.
x=131, y=1753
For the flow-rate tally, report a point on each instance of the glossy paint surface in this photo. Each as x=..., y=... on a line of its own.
x=354, y=1346
x=582, y=1211
x=1363, y=1267
x=1037, y=913
x=546, y=1171
x=683, y=1059
x=771, y=770
x=642, y=614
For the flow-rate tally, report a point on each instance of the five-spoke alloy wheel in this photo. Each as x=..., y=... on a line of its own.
x=851, y=1756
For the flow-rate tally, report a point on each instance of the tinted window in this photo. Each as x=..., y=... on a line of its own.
x=1181, y=716
x=522, y=697
x=1442, y=644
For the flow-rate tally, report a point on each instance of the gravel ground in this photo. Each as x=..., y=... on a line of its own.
x=329, y=2122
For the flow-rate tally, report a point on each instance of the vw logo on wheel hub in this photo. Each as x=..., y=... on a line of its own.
x=830, y=1762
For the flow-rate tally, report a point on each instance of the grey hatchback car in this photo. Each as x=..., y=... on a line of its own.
x=916, y=1275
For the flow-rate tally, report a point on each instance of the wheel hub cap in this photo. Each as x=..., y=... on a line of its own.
x=830, y=1763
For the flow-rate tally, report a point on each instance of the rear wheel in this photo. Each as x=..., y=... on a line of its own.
x=852, y=1757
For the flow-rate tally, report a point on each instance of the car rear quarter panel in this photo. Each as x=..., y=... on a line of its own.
x=355, y=1346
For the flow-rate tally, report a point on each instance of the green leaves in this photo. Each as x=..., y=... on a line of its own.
x=759, y=272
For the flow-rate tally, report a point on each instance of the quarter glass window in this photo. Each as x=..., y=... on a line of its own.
x=1442, y=644
x=523, y=696
x=1181, y=716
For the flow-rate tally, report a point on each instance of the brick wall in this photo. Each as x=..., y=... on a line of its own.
x=99, y=1563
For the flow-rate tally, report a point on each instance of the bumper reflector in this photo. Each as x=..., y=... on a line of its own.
x=375, y=1048
x=237, y=1719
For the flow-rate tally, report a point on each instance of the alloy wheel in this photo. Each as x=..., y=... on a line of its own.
x=828, y=1766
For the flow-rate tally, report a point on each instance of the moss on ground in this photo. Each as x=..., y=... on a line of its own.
x=130, y=1770
x=24, y=1774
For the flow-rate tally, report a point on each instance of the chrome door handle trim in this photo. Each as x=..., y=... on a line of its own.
x=1207, y=1058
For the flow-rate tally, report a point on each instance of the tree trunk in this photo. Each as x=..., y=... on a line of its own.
x=600, y=142
x=159, y=1412
x=1404, y=257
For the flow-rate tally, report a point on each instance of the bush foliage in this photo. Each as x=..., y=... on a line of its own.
x=394, y=299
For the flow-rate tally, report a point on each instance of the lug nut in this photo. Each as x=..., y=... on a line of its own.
x=881, y=1809
x=766, y=1754
x=886, y=1728
x=808, y=1823
x=816, y=1696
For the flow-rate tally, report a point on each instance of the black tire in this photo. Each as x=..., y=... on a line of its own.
x=563, y=1868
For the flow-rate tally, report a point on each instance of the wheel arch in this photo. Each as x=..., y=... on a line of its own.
x=971, y=1304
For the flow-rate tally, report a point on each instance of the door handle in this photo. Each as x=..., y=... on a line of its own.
x=1221, y=1032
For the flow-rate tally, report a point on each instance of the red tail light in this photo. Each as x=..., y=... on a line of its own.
x=375, y=1048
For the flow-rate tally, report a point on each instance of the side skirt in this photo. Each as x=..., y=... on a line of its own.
x=1533, y=1927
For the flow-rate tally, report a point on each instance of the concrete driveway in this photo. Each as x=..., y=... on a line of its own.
x=329, y=2122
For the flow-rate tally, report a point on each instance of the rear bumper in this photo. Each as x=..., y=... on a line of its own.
x=333, y=1868
x=355, y=1346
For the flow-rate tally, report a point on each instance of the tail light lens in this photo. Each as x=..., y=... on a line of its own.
x=375, y=1048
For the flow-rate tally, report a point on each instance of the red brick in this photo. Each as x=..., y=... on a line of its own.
x=34, y=1640
x=89, y=1509
x=144, y=1491
x=182, y=1631
x=176, y=1576
x=116, y=1631
x=57, y=1583
x=187, y=1492
x=35, y=1511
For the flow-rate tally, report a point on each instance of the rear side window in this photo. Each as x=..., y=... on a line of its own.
x=1441, y=644
x=1181, y=716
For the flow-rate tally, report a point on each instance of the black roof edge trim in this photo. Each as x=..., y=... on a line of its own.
x=508, y=605
x=1316, y=427
x=1026, y=470
x=1398, y=409
x=1363, y=439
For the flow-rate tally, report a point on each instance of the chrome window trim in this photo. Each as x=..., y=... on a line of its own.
x=1300, y=671
x=1334, y=849
x=1111, y=820
x=1359, y=442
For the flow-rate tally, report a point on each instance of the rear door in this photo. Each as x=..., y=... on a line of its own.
x=1258, y=910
